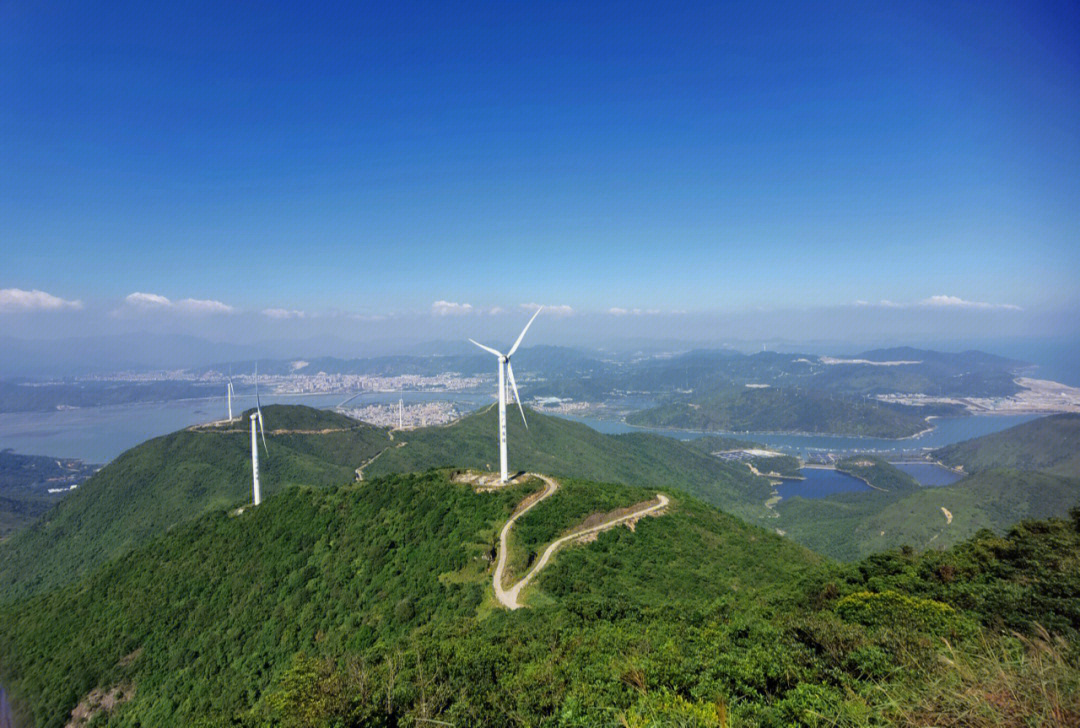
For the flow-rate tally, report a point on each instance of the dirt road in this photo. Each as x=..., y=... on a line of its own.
x=509, y=597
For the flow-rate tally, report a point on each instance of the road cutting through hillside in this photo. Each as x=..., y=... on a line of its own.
x=509, y=597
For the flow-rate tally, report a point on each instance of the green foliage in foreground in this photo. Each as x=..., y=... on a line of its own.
x=563, y=448
x=170, y=479
x=367, y=605
x=215, y=611
x=1050, y=444
x=786, y=410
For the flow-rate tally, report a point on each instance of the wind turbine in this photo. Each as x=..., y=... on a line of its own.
x=228, y=395
x=505, y=371
x=257, y=423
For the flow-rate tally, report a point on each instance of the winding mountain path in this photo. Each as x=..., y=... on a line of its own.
x=509, y=597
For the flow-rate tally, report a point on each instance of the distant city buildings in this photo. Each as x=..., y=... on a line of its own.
x=315, y=383
x=423, y=414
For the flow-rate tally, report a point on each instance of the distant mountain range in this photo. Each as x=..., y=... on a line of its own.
x=688, y=380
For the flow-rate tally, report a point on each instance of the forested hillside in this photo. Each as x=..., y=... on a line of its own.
x=370, y=604
x=786, y=410
x=1051, y=444
x=167, y=480
x=560, y=447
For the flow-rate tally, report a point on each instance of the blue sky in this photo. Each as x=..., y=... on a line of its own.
x=673, y=157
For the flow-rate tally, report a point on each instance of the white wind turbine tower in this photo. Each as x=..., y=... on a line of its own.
x=229, y=395
x=505, y=371
x=257, y=423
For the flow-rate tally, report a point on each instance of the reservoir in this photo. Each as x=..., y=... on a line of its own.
x=821, y=482
x=929, y=474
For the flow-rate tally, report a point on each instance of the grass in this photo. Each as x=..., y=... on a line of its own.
x=1015, y=681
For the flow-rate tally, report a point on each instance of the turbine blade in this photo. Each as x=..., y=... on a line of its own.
x=522, y=336
x=517, y=398
x=487, y=349
x=262, y=431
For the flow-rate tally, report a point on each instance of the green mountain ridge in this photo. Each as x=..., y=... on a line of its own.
x=1050, y=444
x=172, y=478
x=561, y=447
x=236, y=596
x=370, y=604
x=775, y=409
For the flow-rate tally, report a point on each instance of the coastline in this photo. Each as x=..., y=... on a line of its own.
x=736, y=434
x=218, y=398
x=845, y=472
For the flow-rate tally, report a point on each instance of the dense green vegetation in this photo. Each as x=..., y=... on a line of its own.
x=338, y=603
x=559, y=515
x=169, y=479
x=369, y=604
x=173, y=478
x=25, y=481
x=788, y=466
x=1051, y=444
x=785, y=410
x=568, y=449
x=879, y=474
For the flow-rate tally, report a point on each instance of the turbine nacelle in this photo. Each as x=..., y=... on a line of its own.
x=506, y=371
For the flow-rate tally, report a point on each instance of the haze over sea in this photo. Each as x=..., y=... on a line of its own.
x=99, y=434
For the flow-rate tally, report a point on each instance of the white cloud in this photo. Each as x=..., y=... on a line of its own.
x=153, y=302
x=942, y=301
x=283, y=313
x=955, y=302
x=147, y=300
x=553, y=310
x=616, y=311
x=200, y=306
x=450, y=308
x=16, y=299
